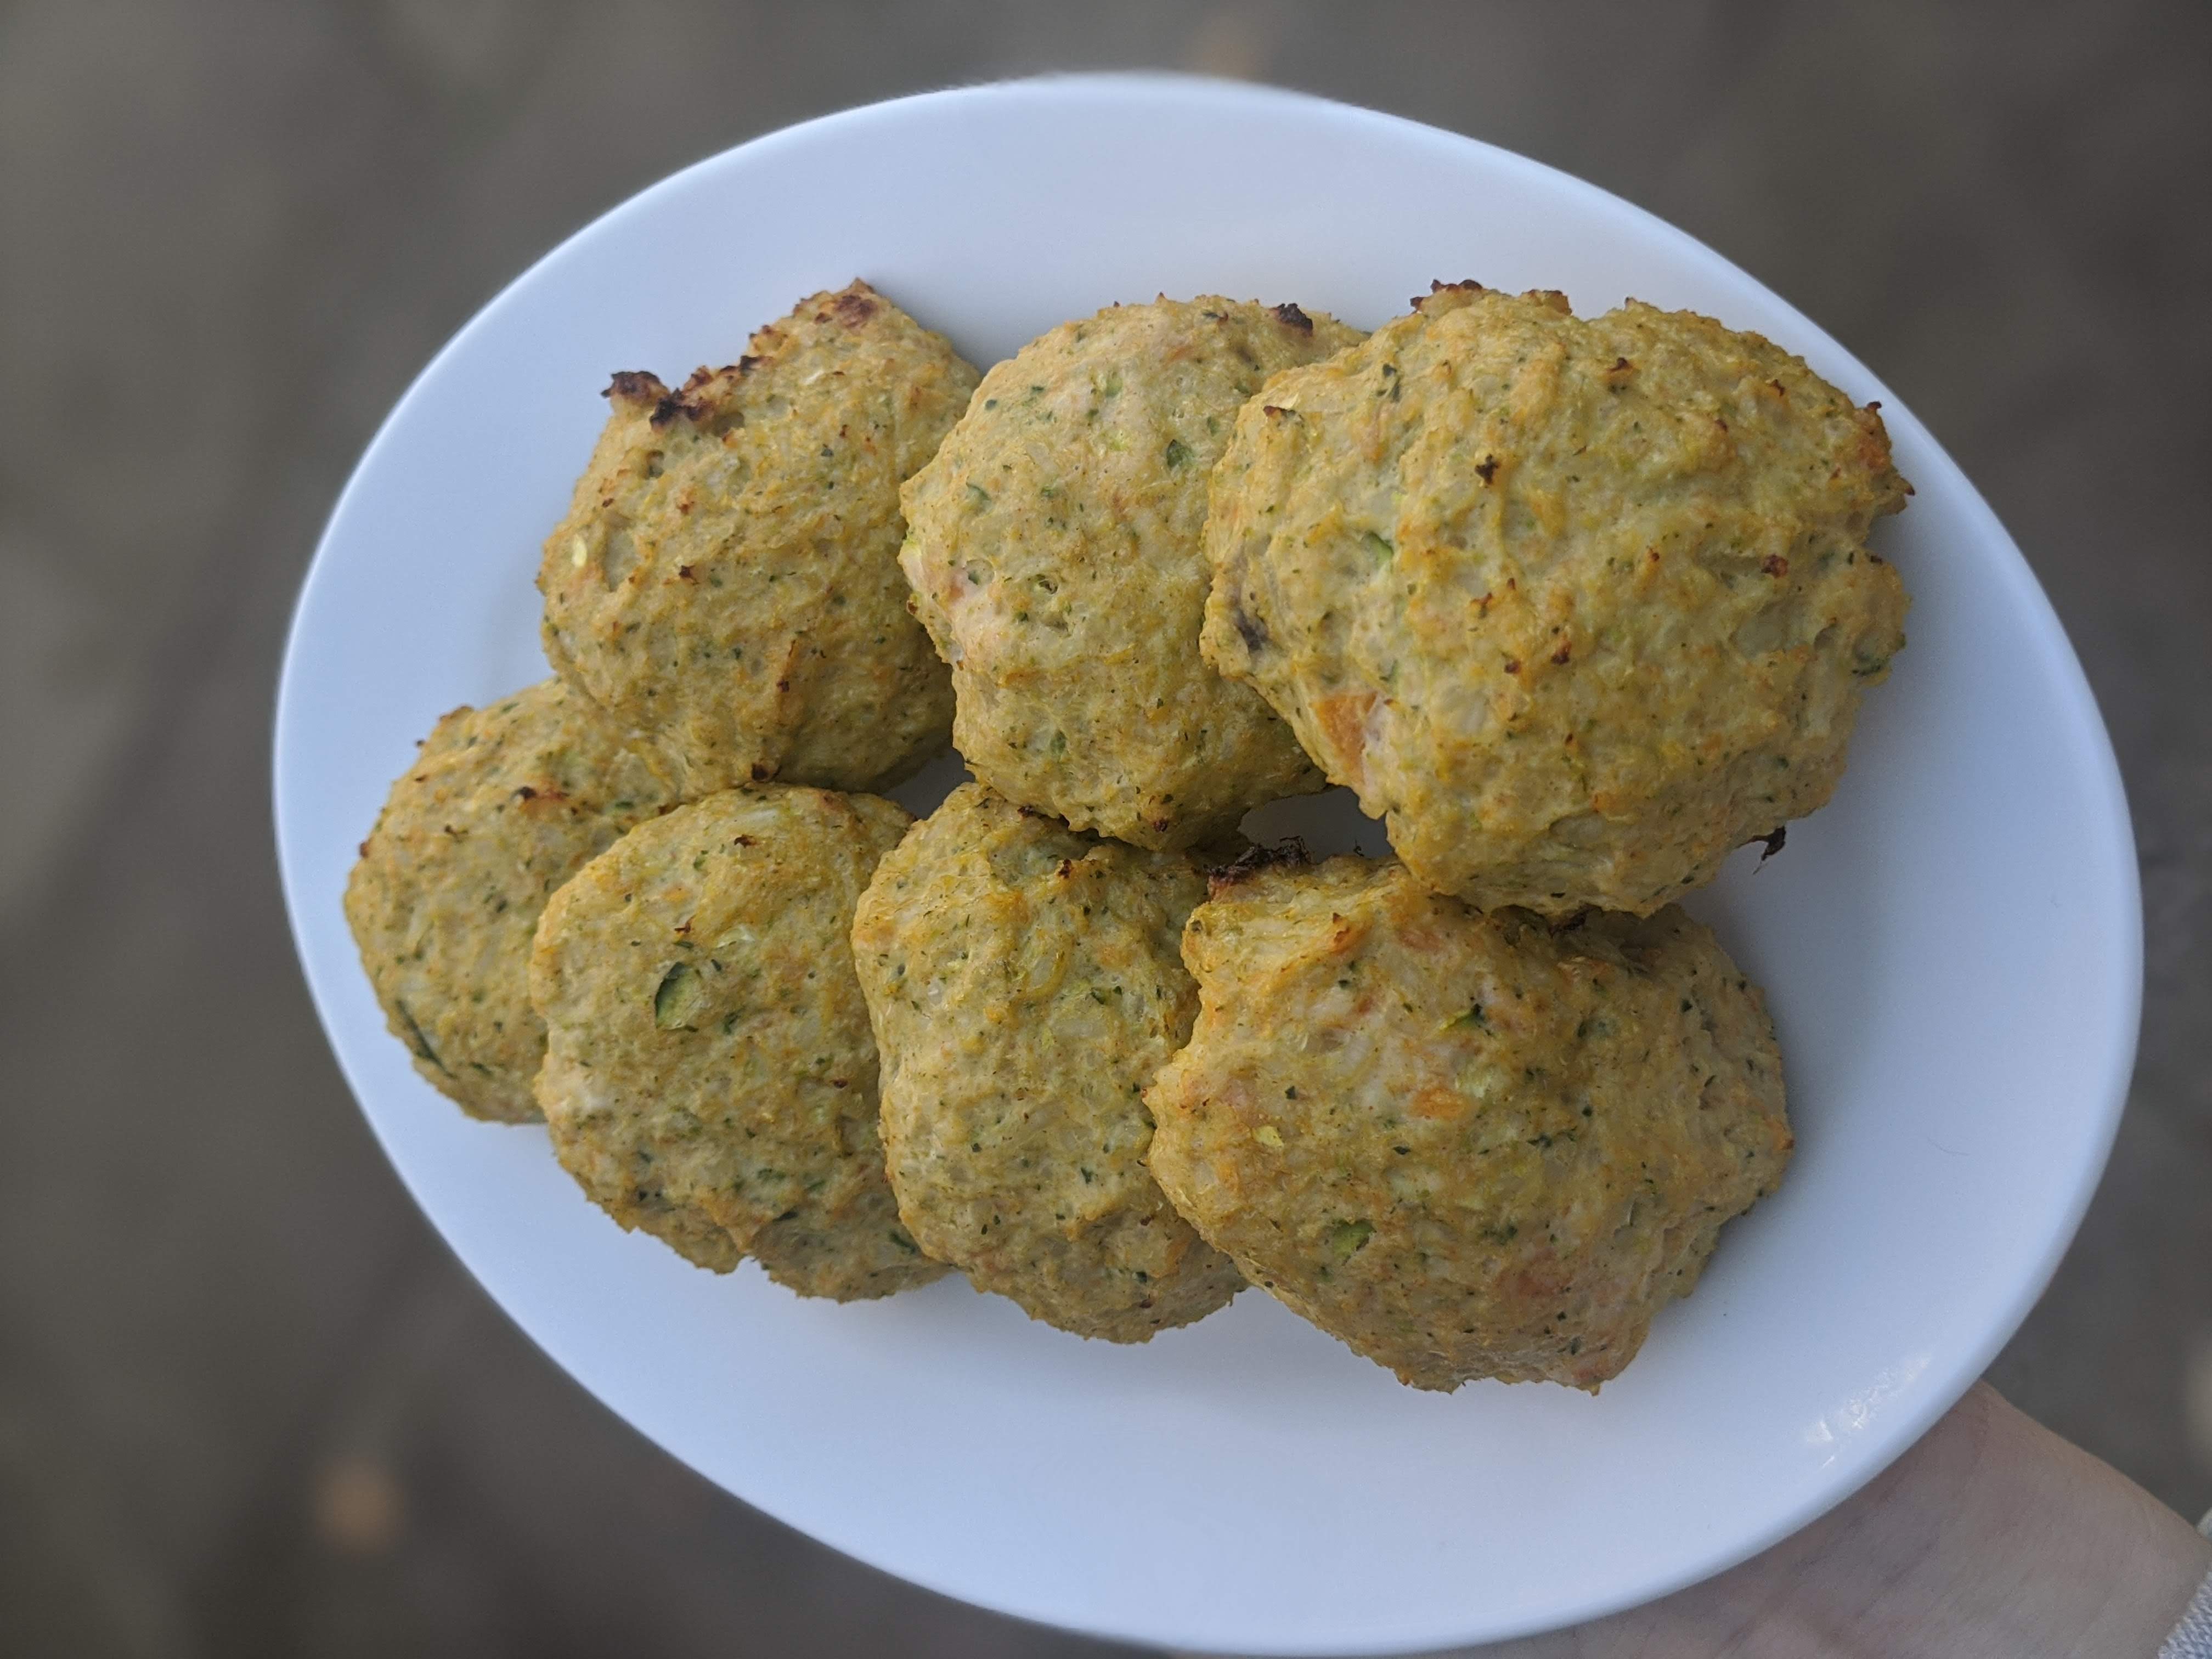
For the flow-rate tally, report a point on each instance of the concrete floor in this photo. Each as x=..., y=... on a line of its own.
x=247, y=1404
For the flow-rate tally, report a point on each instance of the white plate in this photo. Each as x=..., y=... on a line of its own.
x=1951, y=950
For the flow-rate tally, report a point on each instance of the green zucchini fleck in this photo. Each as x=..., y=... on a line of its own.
x=416, y=1040
x=1347, y=1239
x=678, y=997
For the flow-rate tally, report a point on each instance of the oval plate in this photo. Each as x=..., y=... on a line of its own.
x=1951, y=951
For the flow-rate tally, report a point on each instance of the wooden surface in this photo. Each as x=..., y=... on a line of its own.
x=247, y=1404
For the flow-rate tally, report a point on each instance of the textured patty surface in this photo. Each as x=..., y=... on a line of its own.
x=1466, y=1145
x=727, y=581
x=503, y=805
x=1580, y=606
x=709, y=1075
x=1025, y=984
x=1054, y=548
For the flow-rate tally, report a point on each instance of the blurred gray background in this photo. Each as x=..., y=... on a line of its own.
x=248, y=1405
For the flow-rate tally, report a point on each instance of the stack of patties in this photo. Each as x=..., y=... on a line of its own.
x=1577, y=606
x=723, y=606
x=1022, y=964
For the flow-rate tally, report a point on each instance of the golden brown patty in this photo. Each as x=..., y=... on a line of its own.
x=1581, y=606
x=709, y=1076
x=1466, y=1145
x=502, y=804
x=1055, y=550
x=1025, y=983
x=727, y=581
